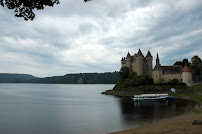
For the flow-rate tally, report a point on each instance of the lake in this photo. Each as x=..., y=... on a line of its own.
x=77, y=109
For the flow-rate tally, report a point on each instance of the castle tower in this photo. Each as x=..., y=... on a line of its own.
x=157, y=72
x=128, y=61
x=140, y=63
x=123, y=62
x=187, y=76
x=149, y=59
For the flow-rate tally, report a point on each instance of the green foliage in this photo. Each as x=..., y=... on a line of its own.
x=24, y=8
x=170, y=85
x=174, y=81
x=132, y=81
x=124, y=72
x=196, y=65
x=196, y=61
x=197, y=98
x=197, y=88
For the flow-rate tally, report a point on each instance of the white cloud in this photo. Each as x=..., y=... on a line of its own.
x=92, y=37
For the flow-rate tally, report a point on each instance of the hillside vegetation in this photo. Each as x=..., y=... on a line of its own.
x=79, y=78
x=15, y=78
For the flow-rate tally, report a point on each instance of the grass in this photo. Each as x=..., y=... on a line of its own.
x=196, y=111
x=198, y=88
x=197, y=98
x=195, y=93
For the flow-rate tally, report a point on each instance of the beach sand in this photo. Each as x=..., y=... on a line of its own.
x=176, y=125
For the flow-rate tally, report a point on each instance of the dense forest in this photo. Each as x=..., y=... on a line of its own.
x=79, y=78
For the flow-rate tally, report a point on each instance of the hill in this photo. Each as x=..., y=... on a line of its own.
x=15, y=78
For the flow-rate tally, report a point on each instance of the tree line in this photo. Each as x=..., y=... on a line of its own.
x=78, y=78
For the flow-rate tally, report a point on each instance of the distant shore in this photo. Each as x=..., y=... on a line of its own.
x=176, y=125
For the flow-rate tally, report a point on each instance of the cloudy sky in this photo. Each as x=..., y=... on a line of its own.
x=75, y=36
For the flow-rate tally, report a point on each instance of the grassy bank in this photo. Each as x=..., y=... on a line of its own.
x=194, y=93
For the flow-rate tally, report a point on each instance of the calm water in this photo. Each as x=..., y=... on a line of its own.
x=76, y=109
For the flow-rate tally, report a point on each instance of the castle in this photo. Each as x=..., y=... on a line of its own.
x=141, y=65
x=138, y=63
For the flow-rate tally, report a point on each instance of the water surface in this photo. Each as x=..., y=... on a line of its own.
x=76, y=109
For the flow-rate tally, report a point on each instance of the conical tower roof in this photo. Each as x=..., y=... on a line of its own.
x=158, y=65
x=157, y=57
x=128, y=56
x=149, y=55
x=186, y=69
x=140, y=53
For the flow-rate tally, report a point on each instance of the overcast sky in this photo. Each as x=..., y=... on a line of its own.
x=75, y=36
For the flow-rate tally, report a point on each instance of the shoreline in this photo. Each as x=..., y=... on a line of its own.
x=180, y=124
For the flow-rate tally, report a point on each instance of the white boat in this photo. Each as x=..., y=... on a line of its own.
x=150, y=97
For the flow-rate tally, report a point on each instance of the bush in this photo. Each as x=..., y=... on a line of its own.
x=171, y=85
x=174, y=81
x=133, y=81
x=124, y=72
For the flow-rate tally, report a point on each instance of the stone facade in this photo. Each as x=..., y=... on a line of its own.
x=164, y=74
x=187, y=76
x=138, y=63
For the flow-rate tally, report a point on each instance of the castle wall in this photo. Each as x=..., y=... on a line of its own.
x=128, y=63
x=123, y=65
x=140, y=66
x=157, y=75
x=145, y=71
x=149, y=67
x=134, y=67
x=169, y=77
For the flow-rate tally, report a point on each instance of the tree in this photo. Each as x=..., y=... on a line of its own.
x=196, y=66
x=182, y=63
x=124, y=72
x=24, y=8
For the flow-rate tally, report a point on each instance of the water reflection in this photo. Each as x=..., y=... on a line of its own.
x=152, y=111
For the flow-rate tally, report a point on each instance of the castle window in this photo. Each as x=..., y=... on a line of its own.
x=169, y=79
x=181, y=79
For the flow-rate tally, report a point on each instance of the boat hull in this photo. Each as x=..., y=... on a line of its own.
x=150, y=99
x=170, y=98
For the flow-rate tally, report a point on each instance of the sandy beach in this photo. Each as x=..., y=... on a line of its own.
x=176, y=125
